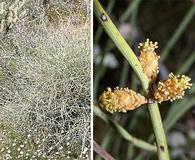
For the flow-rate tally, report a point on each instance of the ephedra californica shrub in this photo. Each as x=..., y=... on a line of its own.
x=45, y=89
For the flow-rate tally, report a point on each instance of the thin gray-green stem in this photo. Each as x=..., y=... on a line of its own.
x=133, y=140
x=98, y=149
x=120, y=43
x=186, y=20
x=99, y=29
x=127, y=52
x=131, y=8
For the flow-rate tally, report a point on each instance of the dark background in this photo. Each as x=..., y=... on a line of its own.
x=157, y=20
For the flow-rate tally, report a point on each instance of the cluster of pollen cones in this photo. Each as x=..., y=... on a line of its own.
x=124, y=99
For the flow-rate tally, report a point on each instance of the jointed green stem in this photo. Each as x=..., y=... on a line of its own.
x=186, y=20
x=127, y=52
x=159, y=132
x=129, y=10
x=121, y=44
x=99, y=29
x=135, y=141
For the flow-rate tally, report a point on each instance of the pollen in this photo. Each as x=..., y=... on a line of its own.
x=149, y=59
x=173, y=88
x=121, y=100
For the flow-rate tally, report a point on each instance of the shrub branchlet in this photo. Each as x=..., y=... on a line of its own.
x=171, y=89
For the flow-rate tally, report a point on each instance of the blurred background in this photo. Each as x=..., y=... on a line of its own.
x=172, y=24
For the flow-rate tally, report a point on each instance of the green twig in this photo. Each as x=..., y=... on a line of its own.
x=120, y=42
x=177, y=33
x=159, y=132
x=177, y=111
x=100, y=151
x=127, y=52
x=135, y=141
x=187, y=64
x=105, y=142
x=129, y=10
x=100, y=72
x=99, y=29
